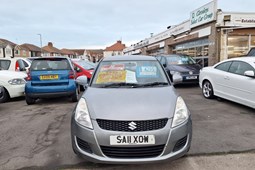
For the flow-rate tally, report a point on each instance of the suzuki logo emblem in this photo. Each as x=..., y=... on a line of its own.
x=132, y=125
x=190, y=72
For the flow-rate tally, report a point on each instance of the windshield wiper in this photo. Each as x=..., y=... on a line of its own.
x=154, y=84
x=122, y=84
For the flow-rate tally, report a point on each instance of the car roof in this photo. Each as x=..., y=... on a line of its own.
x=129, y=57
x=247, y=59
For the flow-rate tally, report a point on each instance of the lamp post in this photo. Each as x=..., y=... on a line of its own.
x=40, y=42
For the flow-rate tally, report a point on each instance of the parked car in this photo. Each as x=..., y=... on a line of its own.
x=83, y=67
x=51, y=77
x=130, y=113
x=13, y=64
x=13, y=84
x=232, y=79
x=182, y=66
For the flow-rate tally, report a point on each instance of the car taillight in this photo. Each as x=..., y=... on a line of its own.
x=28, y=78
x=17, y=66
x=71, y=75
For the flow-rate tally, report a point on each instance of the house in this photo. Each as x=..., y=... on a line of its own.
x=68, y=53
x=79, y=53
x=6, y=48
x=115, y=49
x=50, y=50
x=21, y=51
x=94, y=55
x=34, y=51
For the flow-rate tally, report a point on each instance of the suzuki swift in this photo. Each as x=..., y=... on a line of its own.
x=130, y=113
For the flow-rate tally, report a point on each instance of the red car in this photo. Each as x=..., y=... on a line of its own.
x=83, y=67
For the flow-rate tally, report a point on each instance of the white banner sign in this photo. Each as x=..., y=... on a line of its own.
x=204, y=14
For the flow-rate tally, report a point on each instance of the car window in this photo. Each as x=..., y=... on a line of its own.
x=179, y=60
x=136, y=72
x=224, y=66
x=5, y=64
x=239, y=67
x=21, y=64
x=51, y=64
x=25, y=63
x=86, y=65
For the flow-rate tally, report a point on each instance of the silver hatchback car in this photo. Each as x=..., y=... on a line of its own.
x=130, y=113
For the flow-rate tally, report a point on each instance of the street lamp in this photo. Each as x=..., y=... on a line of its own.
x=40, y=42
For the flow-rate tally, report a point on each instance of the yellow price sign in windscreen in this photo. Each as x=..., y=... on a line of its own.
x=111, y=77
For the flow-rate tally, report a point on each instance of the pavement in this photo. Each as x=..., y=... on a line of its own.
x=38, y=136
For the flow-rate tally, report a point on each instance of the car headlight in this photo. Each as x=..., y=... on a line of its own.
x=181, y=112
x=17, y=81
x=82, y=114
x=175, y=72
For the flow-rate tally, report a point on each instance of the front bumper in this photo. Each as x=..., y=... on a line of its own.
x=97, y=138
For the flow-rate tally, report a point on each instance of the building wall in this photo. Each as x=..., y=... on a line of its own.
x=1, y=53
x=8, y=52
x=112, y=53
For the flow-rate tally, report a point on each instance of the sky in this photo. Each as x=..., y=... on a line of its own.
x=96, y=24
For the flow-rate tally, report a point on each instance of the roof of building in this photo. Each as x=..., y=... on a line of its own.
x=78, y=51
x=67, y=52
x=93, y=52
x=31, y=47
x=5, y=42
x=49, y=48
x=118, y=46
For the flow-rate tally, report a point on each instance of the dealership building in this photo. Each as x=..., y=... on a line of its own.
x=210, y=35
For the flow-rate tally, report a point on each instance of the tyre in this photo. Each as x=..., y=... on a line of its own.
x=207, y=90
x=30, y=100
x=75, y=96
x=5, y=97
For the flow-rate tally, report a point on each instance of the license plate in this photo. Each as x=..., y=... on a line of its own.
x=132, y=139
x=48, y=77
x=191, y=77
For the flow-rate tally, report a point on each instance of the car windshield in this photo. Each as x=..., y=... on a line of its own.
x=86, y=64
x=129, y=74
x=180, y=59
x=50, y=64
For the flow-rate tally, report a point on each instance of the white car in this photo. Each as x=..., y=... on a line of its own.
x=13, y=84
x=232, y=79
x=15, y=64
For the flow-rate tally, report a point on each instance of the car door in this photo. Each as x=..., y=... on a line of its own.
x=241, y=88
x=218, y=77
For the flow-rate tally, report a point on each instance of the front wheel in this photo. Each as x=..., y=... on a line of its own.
x=5, y=96
x=207, y=90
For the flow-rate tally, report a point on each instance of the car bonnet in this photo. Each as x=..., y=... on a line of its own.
x=131, y=103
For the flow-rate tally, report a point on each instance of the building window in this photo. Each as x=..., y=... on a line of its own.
x=238, y=45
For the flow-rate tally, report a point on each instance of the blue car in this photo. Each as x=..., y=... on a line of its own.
x=51, y=77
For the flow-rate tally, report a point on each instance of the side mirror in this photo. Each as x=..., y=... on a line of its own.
x=82, y=80
x=249, y=73
x=177, y=78
x=164, y=65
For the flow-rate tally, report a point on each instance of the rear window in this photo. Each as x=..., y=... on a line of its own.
x=51, y=64
x=5, y=64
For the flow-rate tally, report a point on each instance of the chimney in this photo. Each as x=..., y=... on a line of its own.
x=50, y=44
x=119, y=41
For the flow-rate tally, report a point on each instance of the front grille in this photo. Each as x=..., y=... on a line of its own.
x=132, y=152
x=83, y=145
x=180, y=144
x=123, y=126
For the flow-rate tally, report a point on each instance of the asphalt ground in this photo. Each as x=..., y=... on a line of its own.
x=38, y=136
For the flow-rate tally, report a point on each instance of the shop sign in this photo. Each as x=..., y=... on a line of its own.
x=204, y=14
